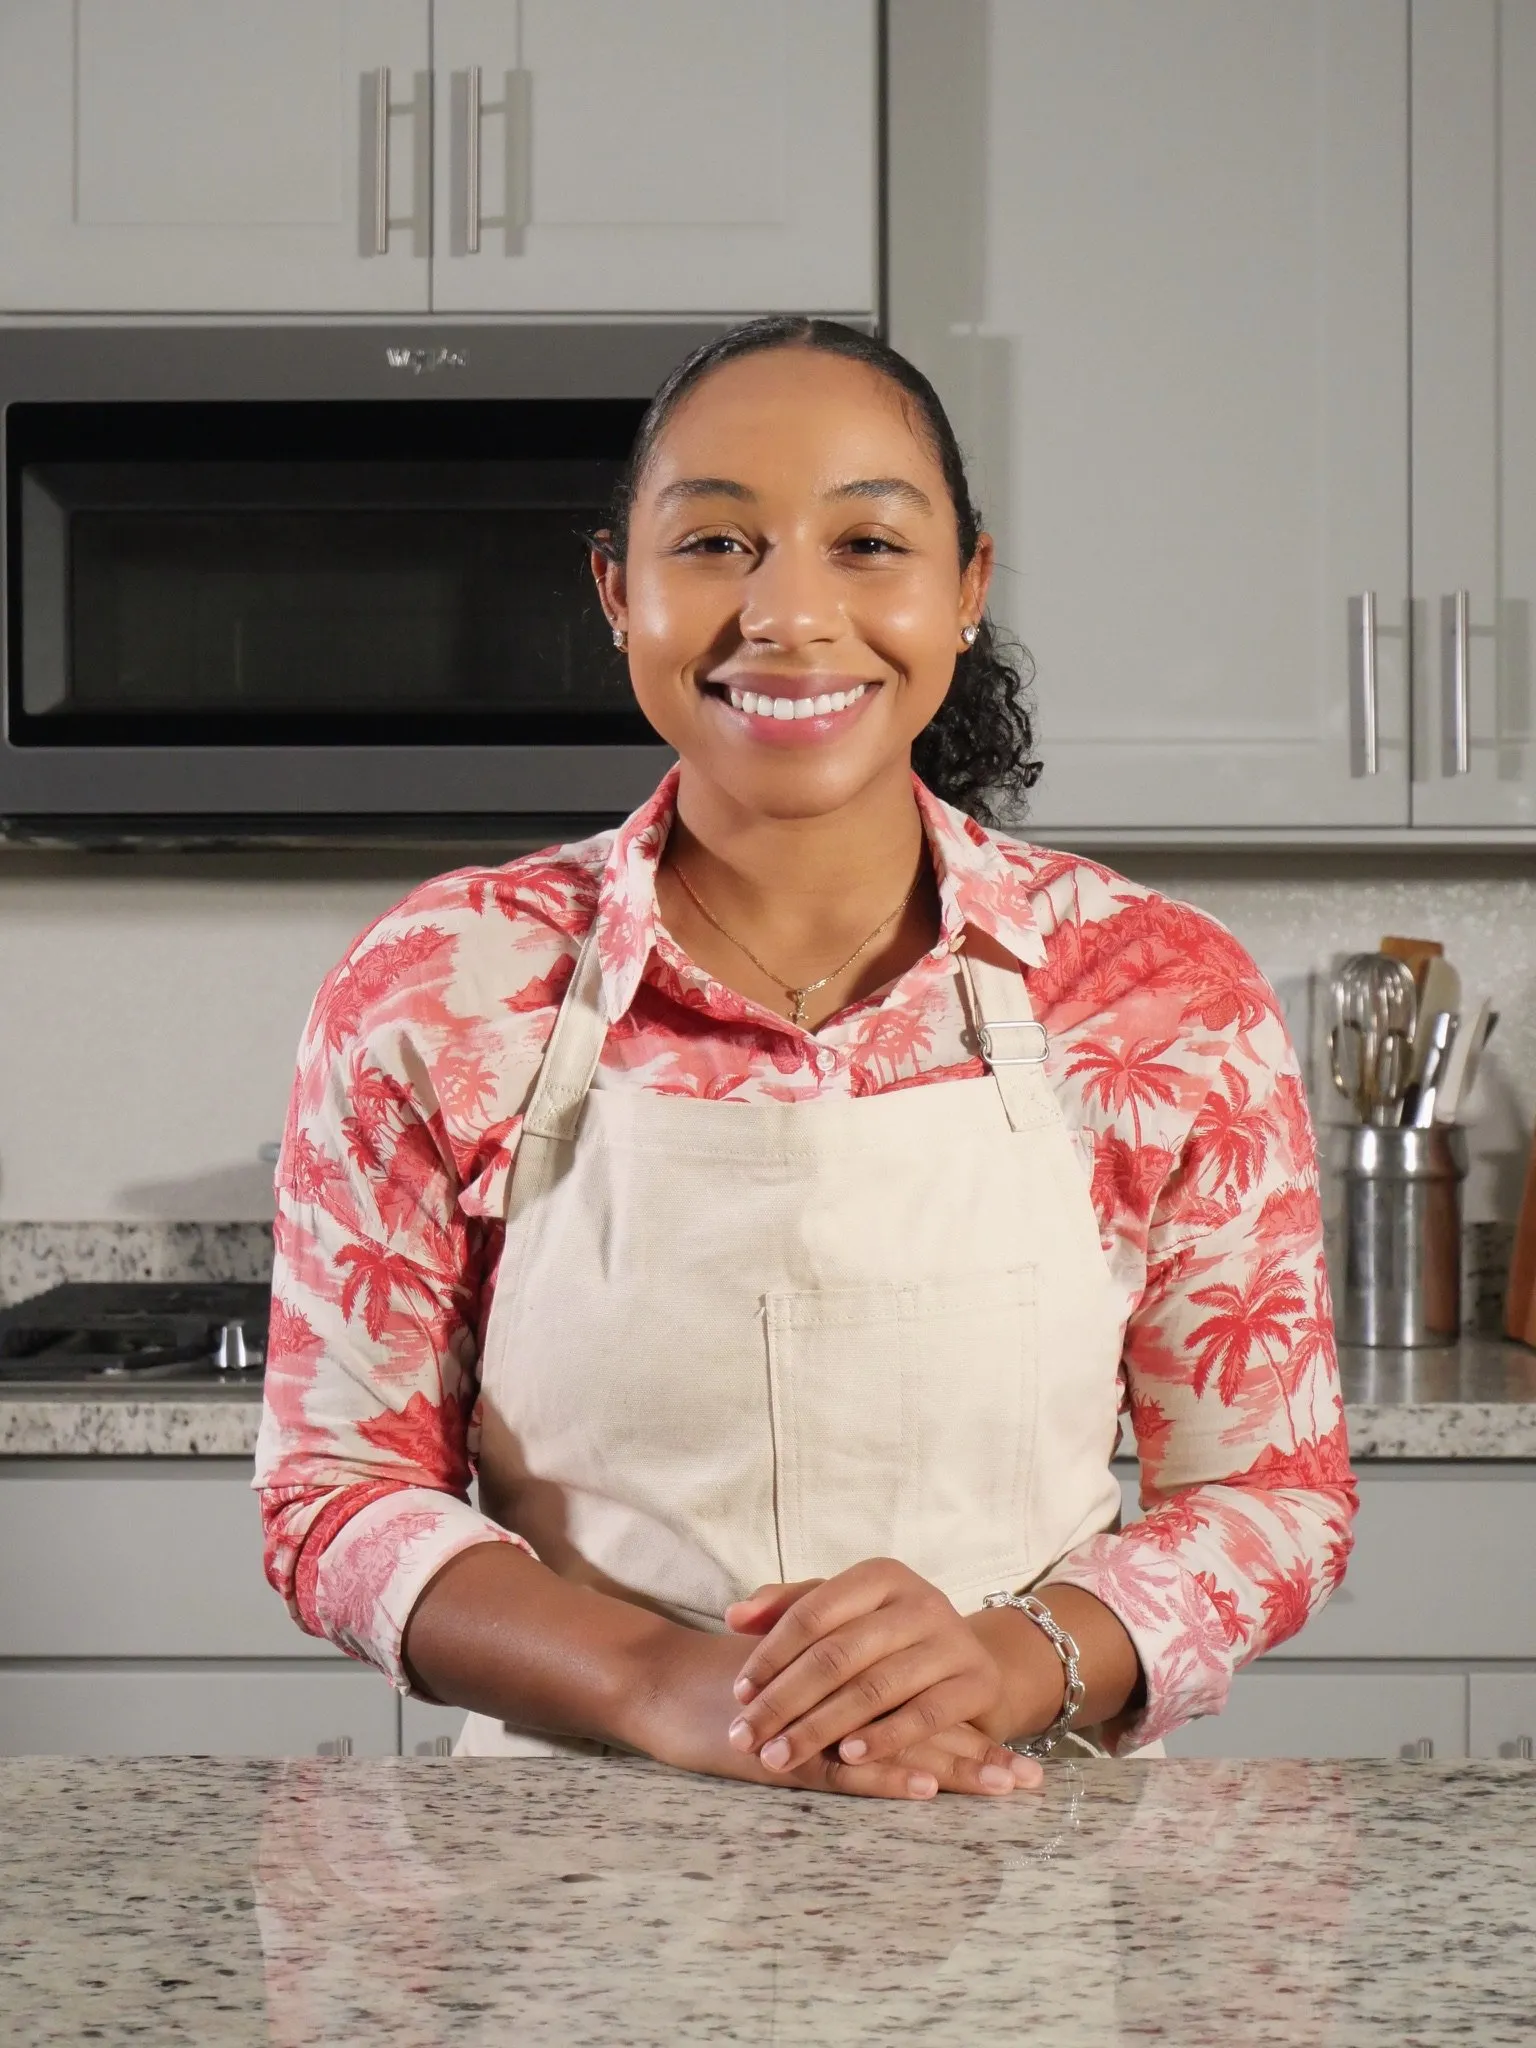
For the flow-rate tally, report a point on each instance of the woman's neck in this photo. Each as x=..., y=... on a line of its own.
x=801, y=893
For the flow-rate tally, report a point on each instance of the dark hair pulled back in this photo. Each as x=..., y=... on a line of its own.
x=977, y=750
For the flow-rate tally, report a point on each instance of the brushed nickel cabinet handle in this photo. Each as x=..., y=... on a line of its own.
x=1456, y=619
x=472, y=113
x=1365, y=748
x=515, y=108
x=380, y=211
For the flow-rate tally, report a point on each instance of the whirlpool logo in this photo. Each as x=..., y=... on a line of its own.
x=426, y=362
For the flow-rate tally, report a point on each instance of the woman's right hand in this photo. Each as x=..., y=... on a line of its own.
x=686, y=1704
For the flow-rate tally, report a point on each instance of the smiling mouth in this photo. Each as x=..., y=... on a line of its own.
x=785, y=710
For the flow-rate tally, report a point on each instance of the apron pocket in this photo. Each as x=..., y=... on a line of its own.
x=904, y=1425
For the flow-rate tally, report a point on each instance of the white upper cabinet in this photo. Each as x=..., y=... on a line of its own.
x=1156, y=259
x=1474, y=411
x=214, y=156
x=676, y=156
x=385, y=156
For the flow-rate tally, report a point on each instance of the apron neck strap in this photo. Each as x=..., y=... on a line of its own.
x=1010, y=1040
x=575, y=1047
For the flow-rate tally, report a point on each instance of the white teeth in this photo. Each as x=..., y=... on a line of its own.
x=757, y=705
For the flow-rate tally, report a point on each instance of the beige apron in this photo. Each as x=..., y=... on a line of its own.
x=733, y=1343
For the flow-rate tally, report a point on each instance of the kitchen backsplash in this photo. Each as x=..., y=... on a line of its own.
x=150, y=1007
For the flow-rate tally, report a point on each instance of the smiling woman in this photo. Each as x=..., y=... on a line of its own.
x=778, y=1200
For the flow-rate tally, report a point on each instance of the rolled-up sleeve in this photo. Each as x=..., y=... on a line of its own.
x=1232, y=1383
x=362, y=1464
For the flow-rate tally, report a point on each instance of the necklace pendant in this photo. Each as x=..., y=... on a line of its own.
x=797, y=996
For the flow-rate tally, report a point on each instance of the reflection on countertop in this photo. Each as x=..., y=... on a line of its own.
x=589, y=1901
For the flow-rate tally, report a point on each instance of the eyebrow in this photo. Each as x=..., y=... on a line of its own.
x=884, y=487
x=690, y=487
x=703, y=487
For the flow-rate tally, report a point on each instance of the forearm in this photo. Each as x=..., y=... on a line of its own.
x=1035, y=1681
x=500, y=1633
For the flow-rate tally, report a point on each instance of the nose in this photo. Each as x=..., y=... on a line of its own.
x=793, y=598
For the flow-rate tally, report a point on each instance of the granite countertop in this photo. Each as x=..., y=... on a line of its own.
x=1476, y=1399
x=1472, y=1400
x=580, y=1901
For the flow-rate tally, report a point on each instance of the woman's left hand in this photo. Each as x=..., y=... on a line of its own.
x=876, y=1661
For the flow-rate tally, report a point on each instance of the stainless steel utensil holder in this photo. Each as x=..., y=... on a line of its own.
x=1402, y=1235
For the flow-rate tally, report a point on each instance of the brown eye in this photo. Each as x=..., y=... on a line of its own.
x=710, y=544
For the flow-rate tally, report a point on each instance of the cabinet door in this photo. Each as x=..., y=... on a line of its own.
x=1156, y=260
x=1474, y=411
x=426, y=1730
x=139, y=1558
x=150, y=1710
x=212, y=156
x=684, y=156
x=1503, y=1713
x=1287, y=1712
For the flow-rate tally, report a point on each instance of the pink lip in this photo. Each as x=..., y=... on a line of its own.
x=792, y=732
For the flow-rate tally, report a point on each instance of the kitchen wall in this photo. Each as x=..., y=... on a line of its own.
x=150, y=1006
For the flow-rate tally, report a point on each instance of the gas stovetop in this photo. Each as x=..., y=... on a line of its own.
x=125, y=1332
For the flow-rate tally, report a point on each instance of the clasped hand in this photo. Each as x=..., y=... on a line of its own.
x=871, y=1683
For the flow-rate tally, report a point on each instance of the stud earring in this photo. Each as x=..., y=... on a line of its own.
x=620, y=639
x=968, y=634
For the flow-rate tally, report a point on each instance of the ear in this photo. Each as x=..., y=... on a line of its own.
x=608, y=575
x=976, y=580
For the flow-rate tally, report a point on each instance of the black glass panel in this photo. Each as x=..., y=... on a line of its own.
x=356, y=574
x=309, y=612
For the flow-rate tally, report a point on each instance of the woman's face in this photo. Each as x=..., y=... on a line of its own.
x=792, y=591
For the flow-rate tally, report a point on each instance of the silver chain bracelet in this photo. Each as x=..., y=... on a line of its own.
x=1066, y=1650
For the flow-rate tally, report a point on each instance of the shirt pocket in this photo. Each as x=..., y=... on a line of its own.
x=904, y=1426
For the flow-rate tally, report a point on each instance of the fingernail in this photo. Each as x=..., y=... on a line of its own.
x=744, y=1690
x=774, y=1754
x=739, y=1734
x=921, y=1785
x=995, y=1778
x=853, y=1751
x=1026, y=1771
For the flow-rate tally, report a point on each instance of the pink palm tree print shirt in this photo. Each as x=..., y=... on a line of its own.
x=1173, y=1069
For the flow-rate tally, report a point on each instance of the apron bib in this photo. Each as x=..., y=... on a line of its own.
x=732, y=1343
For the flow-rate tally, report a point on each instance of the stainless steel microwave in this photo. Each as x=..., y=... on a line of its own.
x=264, y=579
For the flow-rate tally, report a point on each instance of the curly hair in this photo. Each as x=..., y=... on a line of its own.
x=977, y=751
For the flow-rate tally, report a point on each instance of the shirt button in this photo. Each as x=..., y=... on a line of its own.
x=826, y=1061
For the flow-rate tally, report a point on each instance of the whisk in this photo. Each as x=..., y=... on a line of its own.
x=1375, y=1011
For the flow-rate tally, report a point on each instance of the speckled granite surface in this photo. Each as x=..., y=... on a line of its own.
x=127, y=1422
x=34, y=1256
x=1477, y=1400
x=1472, y=1400
x=601, y=1902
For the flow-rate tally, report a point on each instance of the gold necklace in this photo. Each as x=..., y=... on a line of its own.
x=796, y=996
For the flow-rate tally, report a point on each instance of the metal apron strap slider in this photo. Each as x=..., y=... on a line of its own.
x=1039, y=1044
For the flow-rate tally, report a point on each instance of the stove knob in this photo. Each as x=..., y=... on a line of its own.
x=229, y=1353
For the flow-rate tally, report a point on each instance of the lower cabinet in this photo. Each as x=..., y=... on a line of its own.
x=1287, y=1710
x=148, y=1709
x=1503, y=1713
x=428, y=1731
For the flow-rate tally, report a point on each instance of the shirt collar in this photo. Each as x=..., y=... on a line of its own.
x=979, y=885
